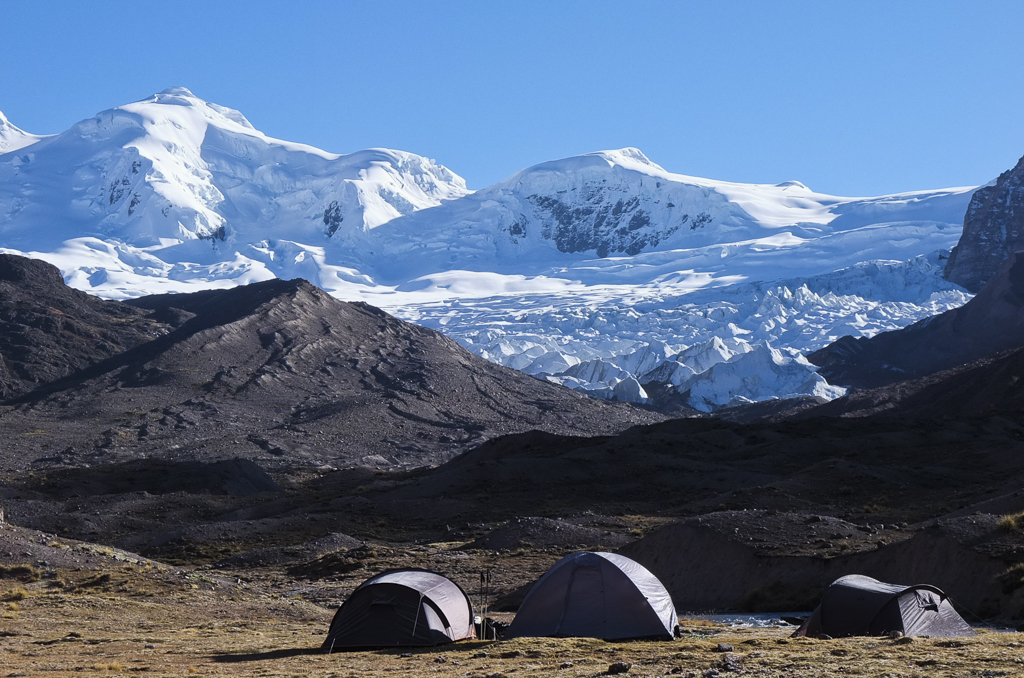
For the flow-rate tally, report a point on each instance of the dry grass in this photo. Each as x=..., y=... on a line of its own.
x=1012, y=578
x=25, y=573
x=109, y=629
x=1012, y=522
x=14, y=595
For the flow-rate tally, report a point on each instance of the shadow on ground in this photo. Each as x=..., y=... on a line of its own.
x=263, y=656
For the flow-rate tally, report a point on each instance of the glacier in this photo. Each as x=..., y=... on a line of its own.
x=603, y=272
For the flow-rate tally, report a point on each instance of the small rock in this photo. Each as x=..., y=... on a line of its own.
x=511, y=654
x=479, y=655
x=895, y=634
x=565, y=665
x=723, y=647
x=405, y=654
x=905, y=640
x=618, y=667
x=440, y=659
x=150, y=646
x=731, y=663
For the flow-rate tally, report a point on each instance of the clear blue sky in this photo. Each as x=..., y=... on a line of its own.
x=852, y=98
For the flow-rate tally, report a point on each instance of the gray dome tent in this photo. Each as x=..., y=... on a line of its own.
x=402, y=607
x=856, y=605
x=596, y=595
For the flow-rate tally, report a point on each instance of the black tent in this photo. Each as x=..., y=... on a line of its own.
x=596, y=595
x=402, y=607
x=856, y=605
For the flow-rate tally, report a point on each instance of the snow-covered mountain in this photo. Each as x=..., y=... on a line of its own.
x=597, y=271
x=13, y=138
x=617, y=216
x=173, y=169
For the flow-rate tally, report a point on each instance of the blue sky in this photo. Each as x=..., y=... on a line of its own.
x=851, y=98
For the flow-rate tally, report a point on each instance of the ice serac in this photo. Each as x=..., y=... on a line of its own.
x=761, y=373
x=173, y=169
x=991, y=322
x=993, y=230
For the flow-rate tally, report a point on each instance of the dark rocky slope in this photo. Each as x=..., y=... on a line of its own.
x=754, y=568
x=993, y=229
x=875, y=469
x=49, y=331
x=986, y=387
x=283, y=373
x=991, y=322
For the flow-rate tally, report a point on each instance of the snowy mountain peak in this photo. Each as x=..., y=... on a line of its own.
x=629, y=157
x=792, y=184
x=176, y=92
x=173, y=170
x=12, y=138
x=182, y=96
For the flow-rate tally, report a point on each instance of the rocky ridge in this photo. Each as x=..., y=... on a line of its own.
x=993, y=230
x=282, y=372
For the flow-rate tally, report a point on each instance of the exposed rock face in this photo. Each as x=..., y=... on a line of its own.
x=607, y=225
x=993, y=229
x=48, y=330
x=991, y=322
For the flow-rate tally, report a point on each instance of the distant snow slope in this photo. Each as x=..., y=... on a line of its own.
x=12, y=138
x=603, y=272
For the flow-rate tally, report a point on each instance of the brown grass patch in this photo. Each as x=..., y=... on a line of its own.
x=25, y=573
x=1012, y=522
x=15, y=595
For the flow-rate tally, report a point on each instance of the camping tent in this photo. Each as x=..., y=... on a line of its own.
x=596, y=595
x=856, y=605
x=402, y=607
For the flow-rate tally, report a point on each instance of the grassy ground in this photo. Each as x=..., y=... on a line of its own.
x=140, y=623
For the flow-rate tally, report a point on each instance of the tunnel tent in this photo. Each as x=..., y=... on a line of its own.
x=407, y=607
x=856, y=605
x=596, y=595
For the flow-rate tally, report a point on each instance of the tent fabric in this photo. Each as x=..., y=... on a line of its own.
x=596, y=595
x=856, y=605
x=402, y=607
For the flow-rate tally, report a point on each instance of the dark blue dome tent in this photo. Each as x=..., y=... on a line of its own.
x=856, y=605
x=402, y=608
x=596, y=595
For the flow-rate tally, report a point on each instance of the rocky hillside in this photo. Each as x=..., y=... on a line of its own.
x=984, y=387
x=49, y=331
x=993, y=229
x=279, y=371
x=991, y=322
